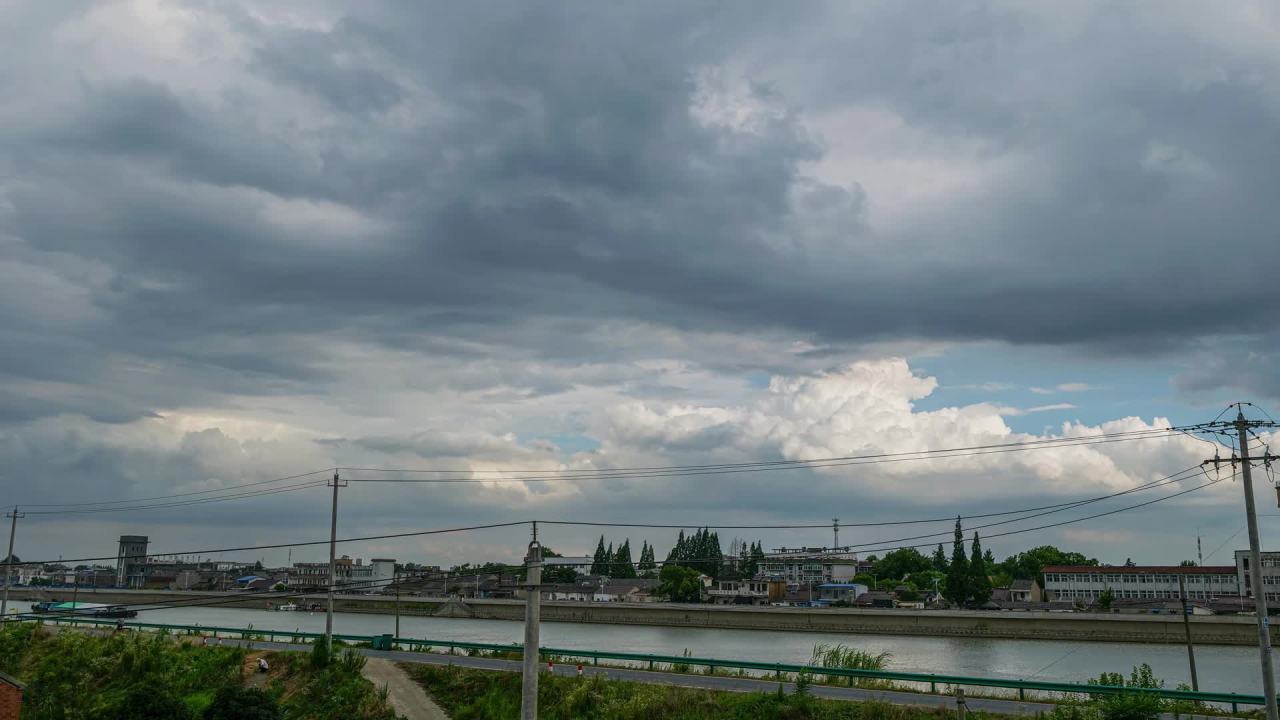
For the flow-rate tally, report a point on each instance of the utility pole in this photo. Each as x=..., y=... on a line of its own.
x=1242, y=426
x=835, y=534
x=396, y=580
x=532, y=608
x=1255, y=575
x=1186, y=627
x=8, y=562
x=333, y=565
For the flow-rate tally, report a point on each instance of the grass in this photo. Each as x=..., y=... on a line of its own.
x=488, y=695
x=843, y=657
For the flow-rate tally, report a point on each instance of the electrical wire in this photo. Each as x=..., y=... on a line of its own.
x=241, y=598
x=276, y=546
x=1024, y=443
x=734, y=469
x=176, y=495
x=182, y=503
x=1064, y=505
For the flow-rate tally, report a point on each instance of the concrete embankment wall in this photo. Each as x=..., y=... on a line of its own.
x=1206, y=630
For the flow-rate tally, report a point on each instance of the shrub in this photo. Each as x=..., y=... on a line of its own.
x=148, y=701
x=232, y=703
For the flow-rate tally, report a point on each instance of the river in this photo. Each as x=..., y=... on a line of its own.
x=1221, y=669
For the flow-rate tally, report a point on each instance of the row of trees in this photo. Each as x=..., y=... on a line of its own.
x=700, y=551
x=618, y=563
x=964, y=577
x=967, y=578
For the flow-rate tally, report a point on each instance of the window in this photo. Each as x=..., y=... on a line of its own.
x=1131, y=578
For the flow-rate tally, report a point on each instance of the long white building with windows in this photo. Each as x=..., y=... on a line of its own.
x=1156, y=582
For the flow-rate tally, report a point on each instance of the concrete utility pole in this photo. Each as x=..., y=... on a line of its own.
x=396, y=580
x=1186, y=627
x=835, y=534
x=1255, y=572
x=333, y=563
x=1242, y=426
x=8, y=562
x=532, y=608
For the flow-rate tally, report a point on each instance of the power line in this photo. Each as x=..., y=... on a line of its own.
x=1055, y=507
x=501, y=568
x=176, y=495
x=1022, y=443
x=1064, y=505
x=678, y=472
x=183, y=503
x=276, y=546
x=886, y=544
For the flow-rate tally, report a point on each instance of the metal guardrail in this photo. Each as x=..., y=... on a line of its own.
x=653, y=661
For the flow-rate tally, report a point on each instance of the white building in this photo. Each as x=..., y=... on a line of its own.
x=1086, y=582
x=809, y=566
x=729, y=592
x=384, y=569
x=1270, y=575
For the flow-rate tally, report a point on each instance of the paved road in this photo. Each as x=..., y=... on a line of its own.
x=406, y=696
x=706, y=682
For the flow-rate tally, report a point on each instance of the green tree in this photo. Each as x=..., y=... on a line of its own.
x=149, y=700
x=900, y=563
x=956, y=589
x=599, y=559
x=608, y=569
x=979, y=583
x=647, y=568
x=679, y=551
x=622, y=566
x=757, y=558
x=1029, y=564
x=940, y=559
x=557, y=573
x=923, y=580
x=679, y=584
x=1106, y=598
x=1187, y=563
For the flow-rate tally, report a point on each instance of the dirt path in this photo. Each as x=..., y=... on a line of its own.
x=406, y=696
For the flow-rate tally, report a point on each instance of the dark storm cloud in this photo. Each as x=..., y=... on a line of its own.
x=524, y=162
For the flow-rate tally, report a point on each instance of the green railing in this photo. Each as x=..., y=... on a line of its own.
x=653, y=662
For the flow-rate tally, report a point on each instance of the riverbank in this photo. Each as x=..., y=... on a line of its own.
x=1092, y=627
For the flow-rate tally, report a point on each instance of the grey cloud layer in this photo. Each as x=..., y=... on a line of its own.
x=214, y=205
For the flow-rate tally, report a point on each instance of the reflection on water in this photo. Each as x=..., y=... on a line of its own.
x=1222, y=669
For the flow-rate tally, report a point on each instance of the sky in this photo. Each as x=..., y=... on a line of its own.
x=243, y=241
